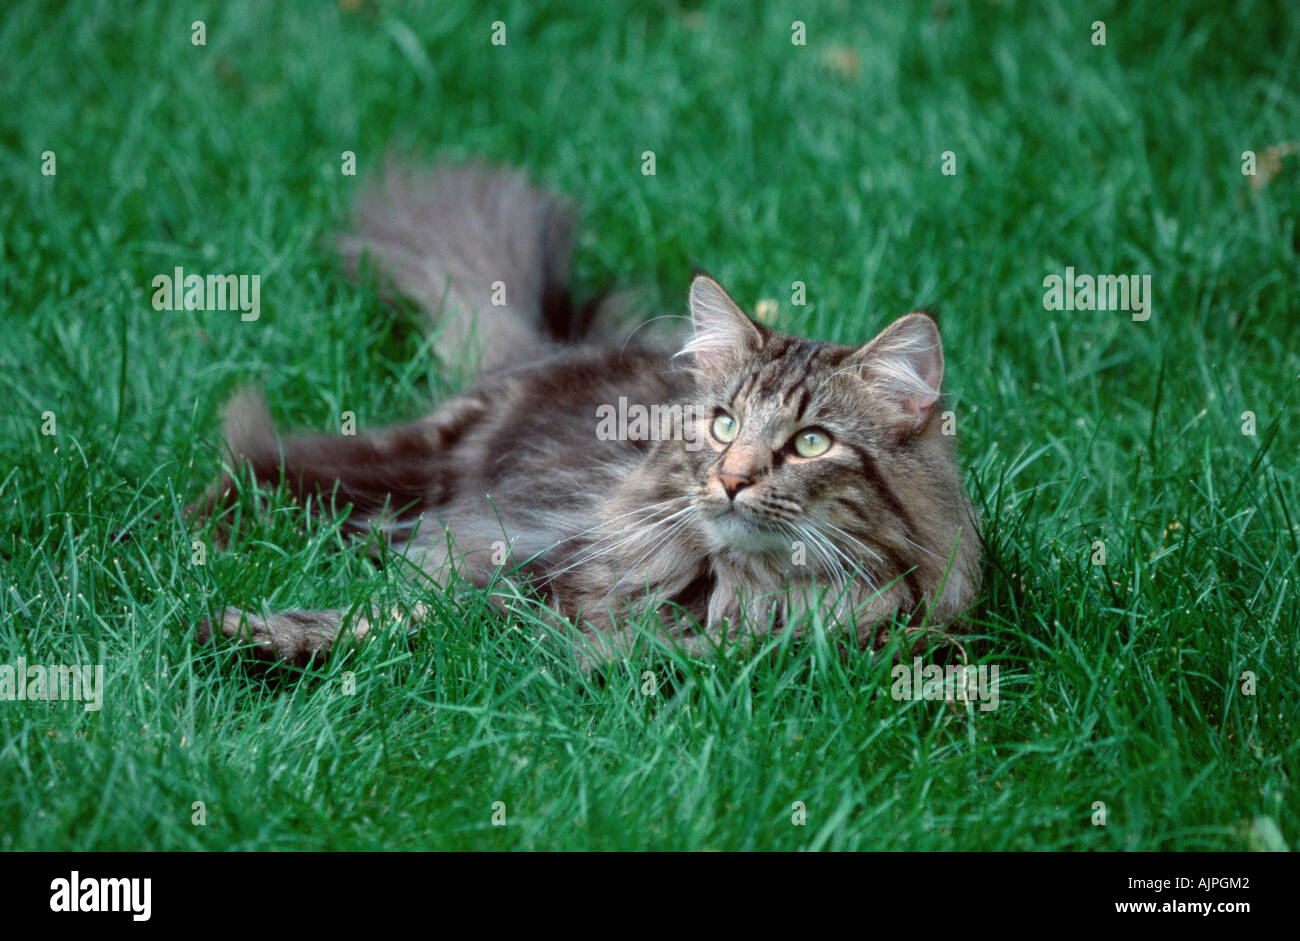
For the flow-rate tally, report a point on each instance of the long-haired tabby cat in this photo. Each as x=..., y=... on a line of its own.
x=801, y=473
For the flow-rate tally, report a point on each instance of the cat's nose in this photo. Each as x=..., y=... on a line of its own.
x=733, y=484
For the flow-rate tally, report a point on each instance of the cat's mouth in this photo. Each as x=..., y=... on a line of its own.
x=737, y=527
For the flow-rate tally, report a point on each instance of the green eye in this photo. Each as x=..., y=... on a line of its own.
x=810, y=443
x=724, y=428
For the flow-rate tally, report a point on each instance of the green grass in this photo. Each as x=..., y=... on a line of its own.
x=775, y=163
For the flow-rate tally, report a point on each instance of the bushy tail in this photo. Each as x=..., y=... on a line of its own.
x=483, y=251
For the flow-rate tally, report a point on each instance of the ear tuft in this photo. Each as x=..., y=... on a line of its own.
x=904, y=366
x=722, y=332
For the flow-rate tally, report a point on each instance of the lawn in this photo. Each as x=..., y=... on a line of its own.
x=1150, y=702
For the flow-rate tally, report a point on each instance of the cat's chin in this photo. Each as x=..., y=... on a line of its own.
x=741, y=531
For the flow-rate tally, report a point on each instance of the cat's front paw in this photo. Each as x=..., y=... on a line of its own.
x=296, y=637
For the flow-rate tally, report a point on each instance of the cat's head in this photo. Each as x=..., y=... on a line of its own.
x=833, y=447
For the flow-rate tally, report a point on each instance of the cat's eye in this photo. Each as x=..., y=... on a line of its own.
x=724, y=428
x=812, y=443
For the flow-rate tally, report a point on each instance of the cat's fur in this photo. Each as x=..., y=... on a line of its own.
x=877, y=530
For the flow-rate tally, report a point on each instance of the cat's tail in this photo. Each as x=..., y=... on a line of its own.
x=484, y=252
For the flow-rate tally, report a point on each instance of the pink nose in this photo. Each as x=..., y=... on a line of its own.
x=733, y=484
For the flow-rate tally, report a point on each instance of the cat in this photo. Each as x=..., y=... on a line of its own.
x=800, y=474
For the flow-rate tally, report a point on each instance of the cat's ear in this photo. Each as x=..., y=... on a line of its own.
x=903, y=367
x=722, y=333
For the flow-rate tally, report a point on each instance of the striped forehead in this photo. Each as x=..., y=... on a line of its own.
x=780, y=378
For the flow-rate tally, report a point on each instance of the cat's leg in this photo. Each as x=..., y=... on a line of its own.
x=299, y=637
x=382, y=478
x=292, y=636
